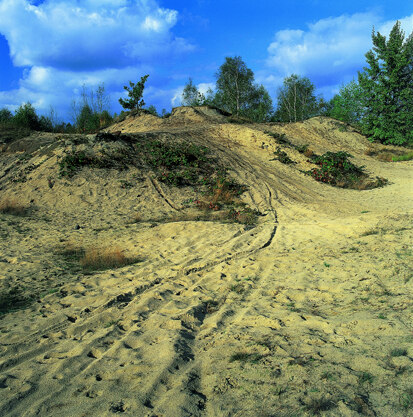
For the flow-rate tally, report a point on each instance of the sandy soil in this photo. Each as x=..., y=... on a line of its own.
x=308, y=313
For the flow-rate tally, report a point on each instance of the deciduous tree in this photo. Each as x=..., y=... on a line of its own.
x=237, y=93
x=296, y=99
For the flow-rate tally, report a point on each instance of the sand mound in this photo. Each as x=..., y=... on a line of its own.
x=305, y=312
x=180, y=117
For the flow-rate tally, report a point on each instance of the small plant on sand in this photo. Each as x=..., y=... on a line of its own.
x=398, y=352
x=246, y=357
x=301, y=148
x=283, y=157
x=406, y=399
x=279, y=137
x=223, y=196
x=365, y=377
x=316, y=405
x=72, y=162
x=14, y=207
x=405, y=157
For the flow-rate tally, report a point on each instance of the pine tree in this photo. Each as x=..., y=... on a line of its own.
x=135, y=92
x=387, y=88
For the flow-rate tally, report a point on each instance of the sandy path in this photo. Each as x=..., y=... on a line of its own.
x=298, y=316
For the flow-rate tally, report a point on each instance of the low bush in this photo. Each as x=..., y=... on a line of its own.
x=336, y=169
x=223, y=198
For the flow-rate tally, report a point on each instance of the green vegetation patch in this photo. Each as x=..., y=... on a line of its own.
x=283, y=157
x=405, y=157
x=179, y=164
x=336, y=169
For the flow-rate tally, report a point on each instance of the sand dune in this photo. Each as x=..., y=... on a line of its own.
x=307, y=313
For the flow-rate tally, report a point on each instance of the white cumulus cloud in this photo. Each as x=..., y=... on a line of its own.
x=88, y=34
x=64, y=44
x=330, y=51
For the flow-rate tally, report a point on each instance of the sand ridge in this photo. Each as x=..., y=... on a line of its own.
x=300, y=315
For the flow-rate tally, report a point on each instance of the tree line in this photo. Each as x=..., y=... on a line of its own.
x=379, y=102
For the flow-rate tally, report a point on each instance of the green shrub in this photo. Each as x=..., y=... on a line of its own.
x=87, y=121
x=335, y=169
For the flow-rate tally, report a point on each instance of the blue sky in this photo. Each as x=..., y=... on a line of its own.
x=50, y=48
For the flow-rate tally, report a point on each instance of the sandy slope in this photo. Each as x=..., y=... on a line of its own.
x=295, y=317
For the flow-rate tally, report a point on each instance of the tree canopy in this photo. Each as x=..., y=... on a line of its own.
x=296, y=99
x=347, y=104
x=237, y=93
x=387, y=88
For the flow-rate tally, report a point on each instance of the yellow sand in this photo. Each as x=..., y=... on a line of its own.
x=300, y=315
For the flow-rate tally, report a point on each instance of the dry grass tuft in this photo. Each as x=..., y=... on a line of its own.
x=96, y=258
x=105, y=258
x=12, y=206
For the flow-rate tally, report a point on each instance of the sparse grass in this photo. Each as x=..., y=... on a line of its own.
x=316, y=405
x=13, y=299
x=239, y=288
x=391, y=155
x=406, y=157
x=398, y=352
x=283, y=157
x=365, y=377
x=246, y=357
x=13, y=207
x=96, y=258
x=406, y=399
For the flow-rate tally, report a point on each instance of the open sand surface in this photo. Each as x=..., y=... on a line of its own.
x=307, y=313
